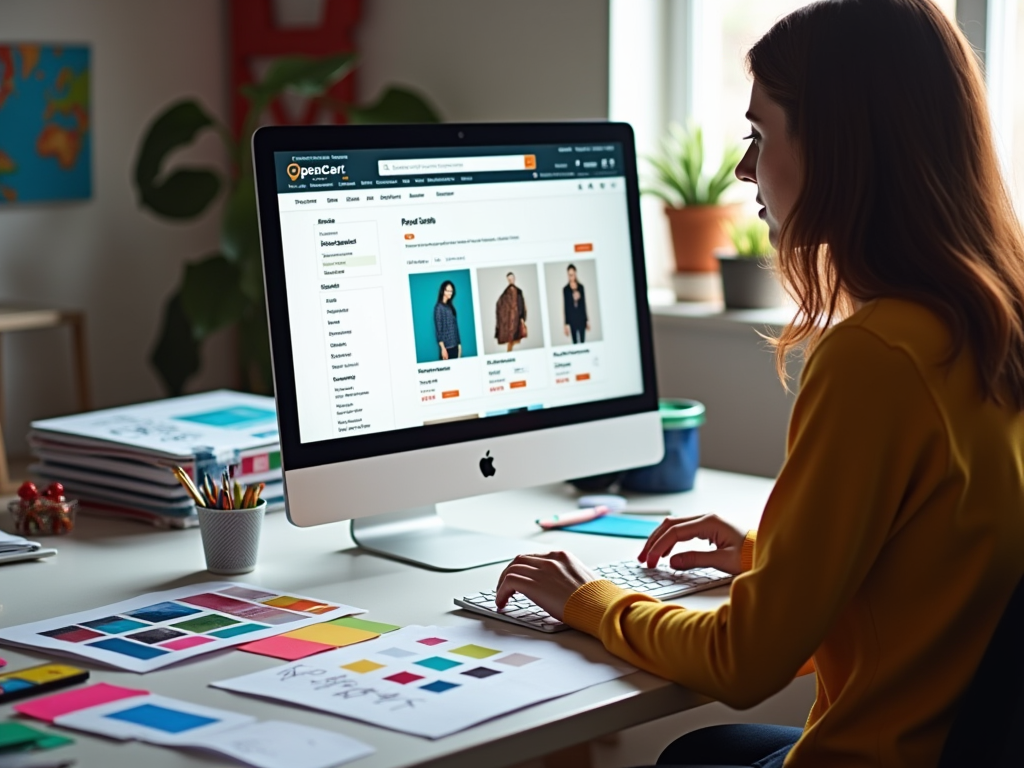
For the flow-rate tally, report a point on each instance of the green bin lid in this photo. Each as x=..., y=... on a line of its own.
x=681, y=414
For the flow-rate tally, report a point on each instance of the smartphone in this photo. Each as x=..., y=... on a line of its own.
x=39, y=679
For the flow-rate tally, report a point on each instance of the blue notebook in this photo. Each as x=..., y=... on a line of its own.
x=617, y=525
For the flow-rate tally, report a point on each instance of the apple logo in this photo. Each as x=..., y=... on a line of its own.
x=487, y=465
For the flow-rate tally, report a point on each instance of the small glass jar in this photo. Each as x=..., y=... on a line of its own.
x=43, y=517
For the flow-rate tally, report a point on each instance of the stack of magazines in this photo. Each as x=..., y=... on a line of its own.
x=118, y=462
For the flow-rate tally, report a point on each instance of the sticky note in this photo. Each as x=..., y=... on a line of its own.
x=17, y=735
x=332, y=634
x=370, y=626
x=362, y=666
x=617, y=525
x=284, y=647
x=474, y=651
x=48, y=708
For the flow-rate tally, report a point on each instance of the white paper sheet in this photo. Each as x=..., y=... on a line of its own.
x=174, y=723
x=434, y=681
x=161, y=628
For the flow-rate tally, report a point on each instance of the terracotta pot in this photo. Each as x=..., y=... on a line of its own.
x=697, y=232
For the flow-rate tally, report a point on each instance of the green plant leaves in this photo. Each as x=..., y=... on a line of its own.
x=176, y=354
x=240, y=232
x=211, y=295
x=396, y=105
x=679, y=169
x=185, y=192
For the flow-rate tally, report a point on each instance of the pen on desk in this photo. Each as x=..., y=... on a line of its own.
x=661, y=512
x=573, y=518
x=188, y=485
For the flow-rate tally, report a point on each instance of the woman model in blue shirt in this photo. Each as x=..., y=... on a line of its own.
x=446, y=325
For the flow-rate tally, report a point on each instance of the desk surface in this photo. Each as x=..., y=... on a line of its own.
x=106, y=561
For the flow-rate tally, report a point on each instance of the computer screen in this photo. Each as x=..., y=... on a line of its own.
x=434, y=285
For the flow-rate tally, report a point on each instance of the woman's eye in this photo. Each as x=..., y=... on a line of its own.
x=752, y=136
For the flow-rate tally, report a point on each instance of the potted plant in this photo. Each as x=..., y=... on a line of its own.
x=748, y=277
x=693, y=205
x=225, y=289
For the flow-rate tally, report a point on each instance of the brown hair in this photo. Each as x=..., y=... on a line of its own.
x=902, y=194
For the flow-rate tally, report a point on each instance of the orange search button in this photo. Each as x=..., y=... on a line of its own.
x=582, y=376
x=517, y=384
x=450, y=393
x=529, y=162
x=583, y=247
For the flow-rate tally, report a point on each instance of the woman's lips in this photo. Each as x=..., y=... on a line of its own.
x=762, y=214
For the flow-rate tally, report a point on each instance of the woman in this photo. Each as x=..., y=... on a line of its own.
x=894, y=535
x=510, y=311
x=574, y=307
x=446, y=322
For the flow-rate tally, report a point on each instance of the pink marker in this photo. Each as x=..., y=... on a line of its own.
x=574, y=518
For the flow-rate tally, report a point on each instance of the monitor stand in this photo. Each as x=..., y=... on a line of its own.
x=419, y=536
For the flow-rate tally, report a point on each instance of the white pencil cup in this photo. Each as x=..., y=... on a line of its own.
x=231, y=538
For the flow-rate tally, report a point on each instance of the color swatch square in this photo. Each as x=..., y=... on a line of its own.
x=370, y=626
x=12, y=684
x=128, y=648
x=362, y=666
x=432, y=641
x=474, y=651
x=517, y=660
x=438, y=686
x=155, y=635
x=246, y=594
x=71, y=634
x=397, y=653
x=114, y=625
x=166, y=611
x=403, y=678
x=332, y=634
x=481, y=672
x=238, y=629
x=284, y=647
x=438, y=663
x=298, y=604
x=161, y=718
x=205, y=623
x=185, y=643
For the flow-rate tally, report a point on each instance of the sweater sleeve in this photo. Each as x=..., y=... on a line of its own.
x=862, y=424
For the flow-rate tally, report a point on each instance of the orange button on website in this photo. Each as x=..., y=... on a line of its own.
x=410, y=236
x=517, y=384
x=450, y=393
x=583, y=247
x=582, y=376
x=530, y=162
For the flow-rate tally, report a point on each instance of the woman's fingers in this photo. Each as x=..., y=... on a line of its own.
x=676, y=530
x=723, y=559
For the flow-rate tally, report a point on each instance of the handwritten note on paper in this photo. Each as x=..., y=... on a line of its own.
x=434, y=681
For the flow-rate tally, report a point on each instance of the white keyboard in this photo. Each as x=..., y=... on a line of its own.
x=661, y=582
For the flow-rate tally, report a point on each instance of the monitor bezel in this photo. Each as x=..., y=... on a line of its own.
x=269, y=140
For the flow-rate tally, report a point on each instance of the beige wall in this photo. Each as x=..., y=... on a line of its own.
x=477, y=60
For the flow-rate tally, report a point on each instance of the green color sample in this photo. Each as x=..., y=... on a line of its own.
x=16, y=736
x=474, y=651
x=370, y=626
x=205, y=623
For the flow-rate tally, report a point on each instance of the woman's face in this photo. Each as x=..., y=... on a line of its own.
x=772, y=161
x=449, y=291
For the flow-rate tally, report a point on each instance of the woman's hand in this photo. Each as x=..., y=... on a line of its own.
x=549, y=580
x=444, y=352
x=727, y=538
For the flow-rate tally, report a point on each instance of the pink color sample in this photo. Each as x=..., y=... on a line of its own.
x=287, y=648
x=403, y=678
x=49, y=708
x=432, y=641
x=186, y=642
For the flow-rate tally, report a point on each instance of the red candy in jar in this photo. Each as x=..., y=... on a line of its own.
x=54, y=492
x=27, y=491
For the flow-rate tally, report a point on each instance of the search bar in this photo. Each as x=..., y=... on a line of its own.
x=457, y=165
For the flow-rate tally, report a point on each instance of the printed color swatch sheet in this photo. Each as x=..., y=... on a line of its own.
x=434, y=681
x=161, y=628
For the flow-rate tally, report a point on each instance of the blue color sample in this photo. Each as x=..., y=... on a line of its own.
x=161, y=718
x=128, y=648
x=115, y=625
x=438, y=663
x=237, y=417
x=438, y=686
x=238, y=629
x=14, y=684
x=617, y=525
x=162, y=612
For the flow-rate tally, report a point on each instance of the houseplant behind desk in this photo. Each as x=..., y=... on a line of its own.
x=748, y=275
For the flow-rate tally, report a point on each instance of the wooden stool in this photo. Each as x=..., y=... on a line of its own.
x=27, y=319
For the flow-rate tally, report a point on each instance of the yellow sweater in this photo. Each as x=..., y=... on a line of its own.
x=888, y=550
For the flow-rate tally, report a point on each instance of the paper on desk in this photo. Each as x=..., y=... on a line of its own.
x=616, y=525
x=48, y=708
x=435, y=681
x=161, y=628
x=174, y=723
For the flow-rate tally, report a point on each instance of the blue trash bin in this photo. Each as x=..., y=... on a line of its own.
x=681, y=421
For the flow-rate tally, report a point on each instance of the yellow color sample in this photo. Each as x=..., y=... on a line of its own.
x=332, y=634
x=46, y=673
x=281, y=602
x=362, y=666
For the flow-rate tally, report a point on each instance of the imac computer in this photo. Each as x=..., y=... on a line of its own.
x=454, y=310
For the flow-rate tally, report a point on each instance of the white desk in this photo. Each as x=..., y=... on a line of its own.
x=106, y=561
